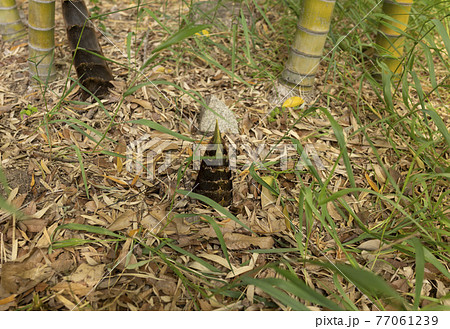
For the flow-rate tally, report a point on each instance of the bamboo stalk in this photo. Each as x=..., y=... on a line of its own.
x=41, y=39
x=11, y=27
x=306, y=51
x=389, y=38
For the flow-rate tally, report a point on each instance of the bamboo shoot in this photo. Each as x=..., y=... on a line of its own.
x=90, y=64
x=214, y=176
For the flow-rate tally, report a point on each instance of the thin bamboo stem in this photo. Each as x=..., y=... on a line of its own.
x=41, y=39
x=11, y=27
x=390, y=38
x=306, y=51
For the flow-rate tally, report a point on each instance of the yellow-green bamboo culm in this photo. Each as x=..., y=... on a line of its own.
x=41, y=39
x=389, y=38
x=11, y=27
x=309, y=40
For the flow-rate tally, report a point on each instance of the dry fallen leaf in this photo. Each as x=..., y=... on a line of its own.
x=21, y=276
x=91, y=275
x=240, y=241
x=267, y=197
x=370, y=245
x=293, y=101
x=123, y=221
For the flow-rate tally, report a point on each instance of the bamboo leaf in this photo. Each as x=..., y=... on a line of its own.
x=368, y=282
x=192, y=256
x=420, y=271
x=442, y=127
x=443, y=33
x=213, y=205
x=338, y=131
x=83, y=172
x=218, y=232
x=299, y=288
x=90, y=229
x=179, y=36
x=267, y=286
x=160, y=128
x=433, y=261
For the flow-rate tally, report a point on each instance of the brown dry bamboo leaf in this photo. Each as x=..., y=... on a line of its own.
x=88, y=274
x=42, y=212
x=120, y=149
x=45, y=168
x=35, y=225
x=333, y=212
x=237, y=241
x=118, y=181
x=126, y=257
x=370, y=245
x=244, y=269
x=90, y=206
x=80, y=289
x=205, y=305
x=145, y=104
x=18, y=201
x=18, y=277
x=13, y=194
x=67, y=303
x=371, y=182
x=267, y=197
x=379, y=174
x=123, y=221
x=8, y=300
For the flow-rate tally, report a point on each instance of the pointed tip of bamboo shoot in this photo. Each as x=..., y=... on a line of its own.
x=217, y=139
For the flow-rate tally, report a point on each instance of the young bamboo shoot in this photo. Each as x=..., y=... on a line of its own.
x=214, y=176
x=389, y=37
x=309, y=40
x=92, y=69
x=11, y=27
x=41, y=38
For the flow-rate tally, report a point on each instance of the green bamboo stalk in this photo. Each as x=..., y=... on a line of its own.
x=390, y=40
x=41, y=39
x=11, y=27
x=306, y=51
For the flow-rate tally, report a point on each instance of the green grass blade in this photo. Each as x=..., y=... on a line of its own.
x=179, y=36
x=219, y=235
x=442, y=127
x=299, y=288
x=70, y=243
x=420, y=271
x=248, y=52
x=160, y=128
x=213, y=205
x=192, y=256
x=83, y=172
x=369, y=283
x=443, y=33
x=435, y=262
x=89, y=229
x=338, y=131
x=267, y=286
